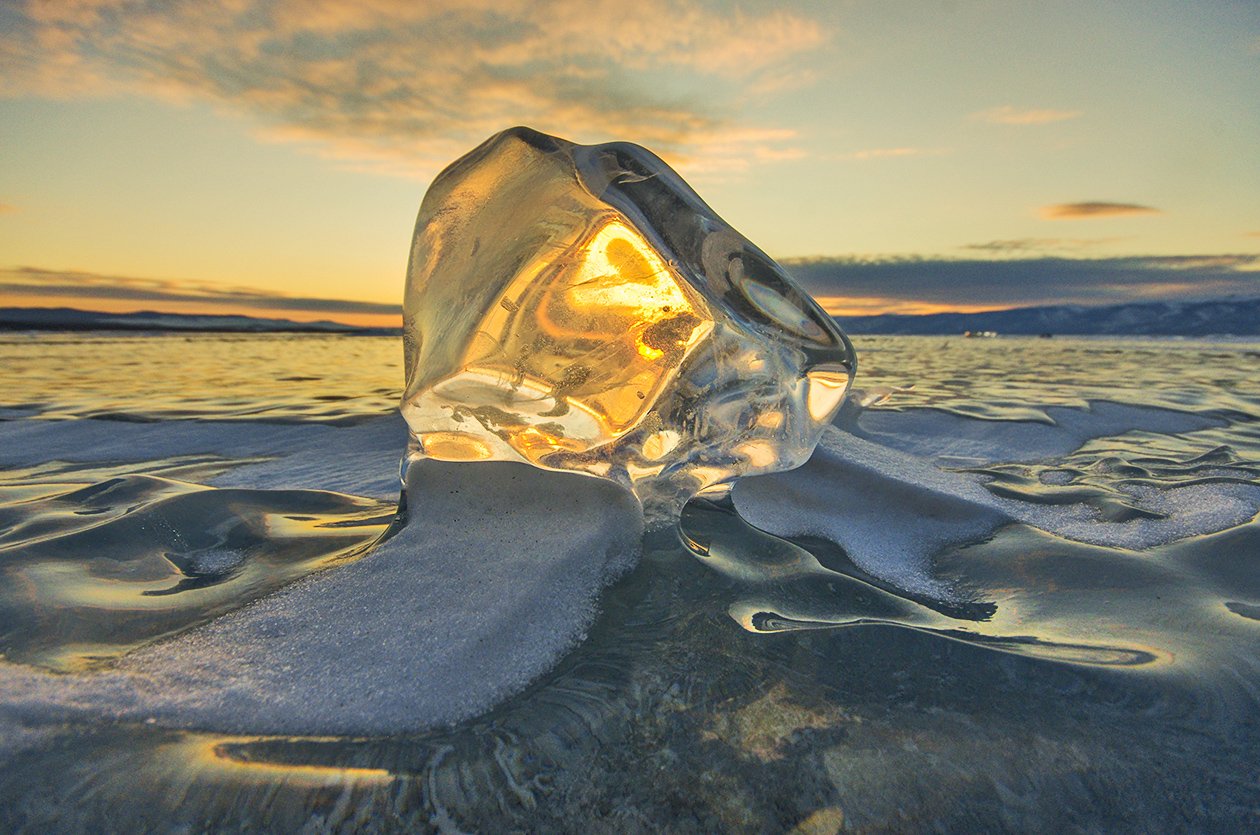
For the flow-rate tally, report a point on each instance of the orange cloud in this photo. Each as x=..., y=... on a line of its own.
x=400, y=88
x=877, y=305
x=1007, y=115
x=7, y=209
x=1095, y=208
x=36, y=287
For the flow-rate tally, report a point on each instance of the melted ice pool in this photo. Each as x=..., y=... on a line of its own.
x=1022, y=594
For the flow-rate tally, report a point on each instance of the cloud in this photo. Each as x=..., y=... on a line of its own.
x=1095, y=208
x=1007, y=115
x=403, y=87
x=42, y=283
x=1025, y=245
x=7, y=208
x=890, y=153
x=902, y=284
x=843, y=284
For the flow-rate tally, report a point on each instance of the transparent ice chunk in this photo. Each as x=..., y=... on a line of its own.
x=580, y=308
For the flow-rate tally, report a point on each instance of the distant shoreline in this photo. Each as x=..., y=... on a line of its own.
x=1215, y=318
x=1212, y=318
x=72, y=320
x=10, y=327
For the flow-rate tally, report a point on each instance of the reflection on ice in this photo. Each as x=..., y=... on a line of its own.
x=92, y=570
x=783, y=587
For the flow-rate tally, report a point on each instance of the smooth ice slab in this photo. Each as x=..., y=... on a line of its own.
x=580, y=308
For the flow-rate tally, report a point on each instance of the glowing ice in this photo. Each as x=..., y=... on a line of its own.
x=580, y=308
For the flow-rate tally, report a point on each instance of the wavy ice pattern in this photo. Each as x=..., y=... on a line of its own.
x=1104, y=550
x=870, y=520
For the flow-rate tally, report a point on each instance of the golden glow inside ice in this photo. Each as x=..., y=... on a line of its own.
x=455, y=446
x=826, y=389
x=770, y=420
x=758, y=453
x=660, y=443
x=580, y=309
x=575, y=353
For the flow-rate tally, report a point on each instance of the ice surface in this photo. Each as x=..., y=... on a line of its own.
x=889, y=510
x=952, y=438
x=506, y=562
x=884, y=491
x=496, y=577
x=361, y=459
x=580, y=308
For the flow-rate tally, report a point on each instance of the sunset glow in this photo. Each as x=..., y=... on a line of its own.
x=278, y=149
x=840, y=306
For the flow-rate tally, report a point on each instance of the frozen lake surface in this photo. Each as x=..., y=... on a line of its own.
x=1022, y=592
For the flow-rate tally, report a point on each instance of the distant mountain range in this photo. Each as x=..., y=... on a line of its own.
x=70, y=319
x=1222, y=317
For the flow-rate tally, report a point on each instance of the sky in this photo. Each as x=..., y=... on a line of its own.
x=268, y=157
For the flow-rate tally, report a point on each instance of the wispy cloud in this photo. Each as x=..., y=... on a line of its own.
x=403, y=87
x=906, y=284
x=28, y=282
x=7, y=208
x=735, y=150
x=1095, y=208
x=1023, y=246
x=892, y=153
x=1008, y=115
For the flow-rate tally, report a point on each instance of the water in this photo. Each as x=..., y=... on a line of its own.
x=285, y=377
x=1043, y=611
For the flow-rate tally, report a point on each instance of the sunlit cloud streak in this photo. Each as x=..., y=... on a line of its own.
x=915, y=284
x=404, y=87
x=1008, y=115
x=1095, y=208
x=19, y=283
x=1023, y=246
x=7, y=208
x=893, y=153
